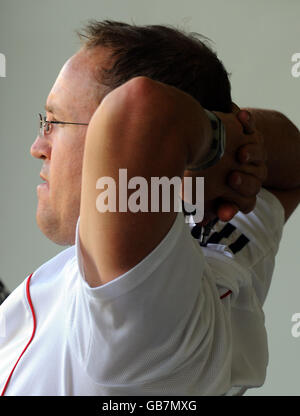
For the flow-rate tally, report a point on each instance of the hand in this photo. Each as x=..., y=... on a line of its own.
x=246, y=182
x=224, y=196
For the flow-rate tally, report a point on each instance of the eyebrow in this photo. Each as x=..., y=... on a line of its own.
x=54, y=109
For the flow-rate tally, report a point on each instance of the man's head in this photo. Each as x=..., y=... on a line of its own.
x=112, y=53
x=73, y=98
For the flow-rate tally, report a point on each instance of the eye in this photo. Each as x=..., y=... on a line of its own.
x=48, y=127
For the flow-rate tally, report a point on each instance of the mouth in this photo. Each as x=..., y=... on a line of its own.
x=44, y=179
x=44, y=184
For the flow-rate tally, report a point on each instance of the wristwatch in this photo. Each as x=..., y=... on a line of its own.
x=218, y=144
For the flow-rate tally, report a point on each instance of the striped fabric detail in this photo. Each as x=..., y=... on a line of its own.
x=239, y=244
x=225, y=232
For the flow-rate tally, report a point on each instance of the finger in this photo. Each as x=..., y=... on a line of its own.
x=247, y=121
x=245, y=184
x=259, y=171
x=251, y=153
x=226, y=211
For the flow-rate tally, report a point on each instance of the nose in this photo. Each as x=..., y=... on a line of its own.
x=40, y=148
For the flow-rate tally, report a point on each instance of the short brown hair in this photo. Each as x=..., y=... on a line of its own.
x=164, y=54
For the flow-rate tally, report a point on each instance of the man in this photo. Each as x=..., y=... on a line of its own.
x=137, y=306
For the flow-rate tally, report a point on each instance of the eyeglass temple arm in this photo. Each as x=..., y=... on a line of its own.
x=66, y=122
x=43, y=119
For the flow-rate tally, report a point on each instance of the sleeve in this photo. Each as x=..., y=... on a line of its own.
x=254, y=239
x=248, y=244
x=152, y=330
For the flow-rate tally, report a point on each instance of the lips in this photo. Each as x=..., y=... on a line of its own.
x=44, y=185
x=44, y=179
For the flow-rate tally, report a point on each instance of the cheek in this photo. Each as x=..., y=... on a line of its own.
x=66, y=170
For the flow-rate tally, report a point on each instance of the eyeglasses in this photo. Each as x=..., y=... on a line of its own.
x=45, y=125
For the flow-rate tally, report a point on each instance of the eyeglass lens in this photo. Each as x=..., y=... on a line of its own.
x=44, y=126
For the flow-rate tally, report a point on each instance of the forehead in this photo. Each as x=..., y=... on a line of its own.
x=76, y=91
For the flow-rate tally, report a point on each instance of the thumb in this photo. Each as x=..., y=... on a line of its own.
x=226, y=211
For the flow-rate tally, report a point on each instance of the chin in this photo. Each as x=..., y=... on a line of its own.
x=53, y=230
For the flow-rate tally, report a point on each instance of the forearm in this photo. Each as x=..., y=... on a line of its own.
x=282, y=143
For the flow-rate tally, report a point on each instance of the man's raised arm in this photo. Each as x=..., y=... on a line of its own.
x=134, y=128
x=151, y=130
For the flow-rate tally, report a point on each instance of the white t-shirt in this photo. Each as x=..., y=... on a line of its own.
x=168, y=326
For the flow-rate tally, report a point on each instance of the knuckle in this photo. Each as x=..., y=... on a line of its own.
x=250, y=185
x=243, y=151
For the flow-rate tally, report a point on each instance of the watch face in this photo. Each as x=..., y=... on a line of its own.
x=218, y=144
x=223, y=139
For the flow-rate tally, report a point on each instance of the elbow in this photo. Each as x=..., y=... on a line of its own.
x=126, y=107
